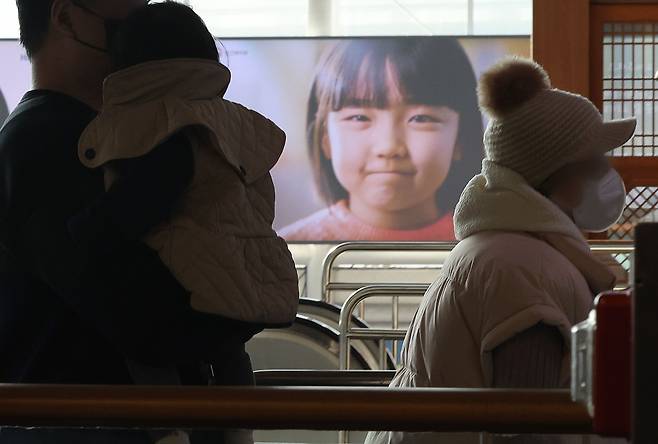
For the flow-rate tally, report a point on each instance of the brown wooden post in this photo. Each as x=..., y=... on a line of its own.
x=560, y=42
x=645, y=334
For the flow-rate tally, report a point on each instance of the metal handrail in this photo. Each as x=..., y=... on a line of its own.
x=326, y=378
x=605, y=246
x=330, y=258
x=449, y=410
x=346, y=333
x=365, y=291
x=612, y=246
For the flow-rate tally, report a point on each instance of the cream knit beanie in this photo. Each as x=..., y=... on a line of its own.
x=534, y=129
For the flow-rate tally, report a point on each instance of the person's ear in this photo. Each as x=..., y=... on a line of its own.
x=60, y=16
x=325, y=145
x=458, y=153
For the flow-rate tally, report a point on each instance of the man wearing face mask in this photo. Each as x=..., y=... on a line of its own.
x=69, y=316
x=522, y=274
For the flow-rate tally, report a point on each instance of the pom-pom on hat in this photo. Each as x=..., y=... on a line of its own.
x=535, y=129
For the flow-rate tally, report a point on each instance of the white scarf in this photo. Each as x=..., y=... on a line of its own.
x=501, y=199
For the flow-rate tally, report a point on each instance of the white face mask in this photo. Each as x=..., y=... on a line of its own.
x=603, y=202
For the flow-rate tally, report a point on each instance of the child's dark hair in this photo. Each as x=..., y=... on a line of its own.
x=160, y=31
x=431, y=71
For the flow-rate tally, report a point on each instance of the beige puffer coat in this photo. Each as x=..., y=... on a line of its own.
x=220, y=244
x=501, y=279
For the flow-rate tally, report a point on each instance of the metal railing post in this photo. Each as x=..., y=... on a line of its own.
x=331, y=257
x=346, y=333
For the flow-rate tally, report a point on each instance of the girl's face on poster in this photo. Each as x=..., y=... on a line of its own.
x=392, y=159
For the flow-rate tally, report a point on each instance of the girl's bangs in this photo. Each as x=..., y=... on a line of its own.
x=381, y=73
x=363, y=82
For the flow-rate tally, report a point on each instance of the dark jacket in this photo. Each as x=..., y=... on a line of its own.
x=66, y=315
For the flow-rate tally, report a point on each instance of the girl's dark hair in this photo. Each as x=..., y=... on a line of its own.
x=161, y=31
x=431, y=71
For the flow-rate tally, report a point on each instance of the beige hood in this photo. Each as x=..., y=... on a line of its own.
x=144, y=104
x=500, y=199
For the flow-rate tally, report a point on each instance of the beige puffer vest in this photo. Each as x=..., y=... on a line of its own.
x=220, y=244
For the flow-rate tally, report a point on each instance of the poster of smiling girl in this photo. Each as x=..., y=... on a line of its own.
x=394, y=133
x=383, y=133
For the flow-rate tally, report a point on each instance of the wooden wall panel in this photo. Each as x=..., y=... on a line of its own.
x=560, y=42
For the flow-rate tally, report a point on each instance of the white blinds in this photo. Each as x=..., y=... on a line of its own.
x=8, y=19
x=258, y=18
x=502, y=17
x=253, y=18
x=403, y=17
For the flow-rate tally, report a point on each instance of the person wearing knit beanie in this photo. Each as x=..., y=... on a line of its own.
x=500, y=313
x=535, y=129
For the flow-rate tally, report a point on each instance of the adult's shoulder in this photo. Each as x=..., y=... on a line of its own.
x=38, y=152
x=504, y=249
x=42, y=118
x=494, y=256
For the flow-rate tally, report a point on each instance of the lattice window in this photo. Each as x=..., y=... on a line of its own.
x=624, y=260
x=640, y=201
x=630, y=62
x=629, y=88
